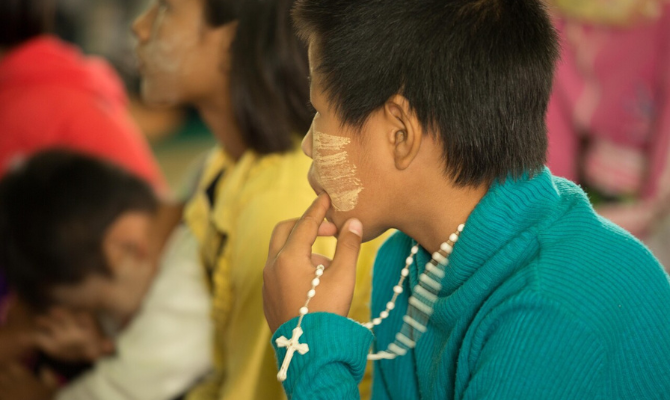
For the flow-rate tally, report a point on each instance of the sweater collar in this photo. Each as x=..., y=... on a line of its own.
x=507, y=213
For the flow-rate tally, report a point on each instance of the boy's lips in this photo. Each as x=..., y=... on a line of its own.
x=315, y=187
x=139, y=60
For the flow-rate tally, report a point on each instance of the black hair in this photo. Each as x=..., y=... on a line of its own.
x=476, y=72
x=54, y=213
x=21, y=20
x=268, y=76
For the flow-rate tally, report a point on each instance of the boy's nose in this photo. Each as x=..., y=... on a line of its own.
x=142, y=25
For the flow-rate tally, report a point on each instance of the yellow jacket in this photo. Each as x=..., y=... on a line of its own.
x=232, y=215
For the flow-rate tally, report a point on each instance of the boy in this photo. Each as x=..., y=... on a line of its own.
x=79, y=233
x=502, y=283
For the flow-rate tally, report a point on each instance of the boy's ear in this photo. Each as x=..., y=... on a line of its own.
x=406, y=133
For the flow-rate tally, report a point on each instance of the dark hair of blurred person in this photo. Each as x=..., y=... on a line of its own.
x=55, y=211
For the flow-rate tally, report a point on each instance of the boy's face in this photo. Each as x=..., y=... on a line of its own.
x=182, y=58
x=118, y=296
x=353, y=168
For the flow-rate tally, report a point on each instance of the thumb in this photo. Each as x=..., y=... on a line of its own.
x=348, y=246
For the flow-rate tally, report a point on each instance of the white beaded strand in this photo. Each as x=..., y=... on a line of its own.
x=427, y=289
x=312, y=292
x=397, y=290
x=292, y=345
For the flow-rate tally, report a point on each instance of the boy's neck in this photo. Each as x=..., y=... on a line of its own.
x=435, y=214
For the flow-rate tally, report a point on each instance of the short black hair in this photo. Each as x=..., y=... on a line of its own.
x=21, y=20
x=476, y=72
x=55, y=210
x=268, y=76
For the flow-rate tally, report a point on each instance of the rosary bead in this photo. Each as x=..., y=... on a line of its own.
x=311, y=293
x=303, y=310
x=415, y=250
x=439, y=258
x=404, y=272
x=384, y=314
x=461, y=227
x=319, y=272
x=390, y=305
x=397, y=289
x=453, y=237
x=316, y=282
x=409, y=261
x=377, y=321
x=445, y=247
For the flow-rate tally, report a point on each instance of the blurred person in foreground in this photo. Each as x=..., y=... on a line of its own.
x=609, y=114
x=88, y=250
x=242, y=67
x=52, y=96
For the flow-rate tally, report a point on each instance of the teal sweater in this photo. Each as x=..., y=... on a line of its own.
x=542, y=299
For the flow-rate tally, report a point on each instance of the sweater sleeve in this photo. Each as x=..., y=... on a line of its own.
x=535, y=352
x=335, y=362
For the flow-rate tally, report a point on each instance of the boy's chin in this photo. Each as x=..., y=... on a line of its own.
x=340, y=218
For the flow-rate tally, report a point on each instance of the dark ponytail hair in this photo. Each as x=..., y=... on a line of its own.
x=269, y=70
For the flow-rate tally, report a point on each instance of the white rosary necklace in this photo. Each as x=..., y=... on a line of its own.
x=419, y=309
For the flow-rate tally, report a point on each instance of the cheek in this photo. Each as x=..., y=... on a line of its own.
x=168, y=61
x=336, y=173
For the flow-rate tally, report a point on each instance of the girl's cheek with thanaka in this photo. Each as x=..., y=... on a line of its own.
x=167, y=61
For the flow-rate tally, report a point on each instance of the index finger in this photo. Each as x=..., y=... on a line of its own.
x=306, y=230
x=279, y=236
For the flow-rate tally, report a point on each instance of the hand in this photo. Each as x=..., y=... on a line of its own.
x=291, y=266
x=17, y=334
x=70, y=336
x=17, y=383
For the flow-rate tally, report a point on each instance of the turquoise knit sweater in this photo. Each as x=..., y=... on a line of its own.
x=542, y=299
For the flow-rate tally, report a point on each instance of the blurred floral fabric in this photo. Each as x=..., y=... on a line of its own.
x=609, y=115
x=610, y=12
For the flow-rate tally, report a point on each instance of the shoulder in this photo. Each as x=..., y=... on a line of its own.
x=280, y=171
x=277, y=182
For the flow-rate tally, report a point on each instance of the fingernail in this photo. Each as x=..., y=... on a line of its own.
x=356, y=227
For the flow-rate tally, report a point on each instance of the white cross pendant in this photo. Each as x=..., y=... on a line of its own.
x=292, y=346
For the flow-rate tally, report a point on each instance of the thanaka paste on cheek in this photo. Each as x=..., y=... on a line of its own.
x=167, y=62
x=334, y=172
